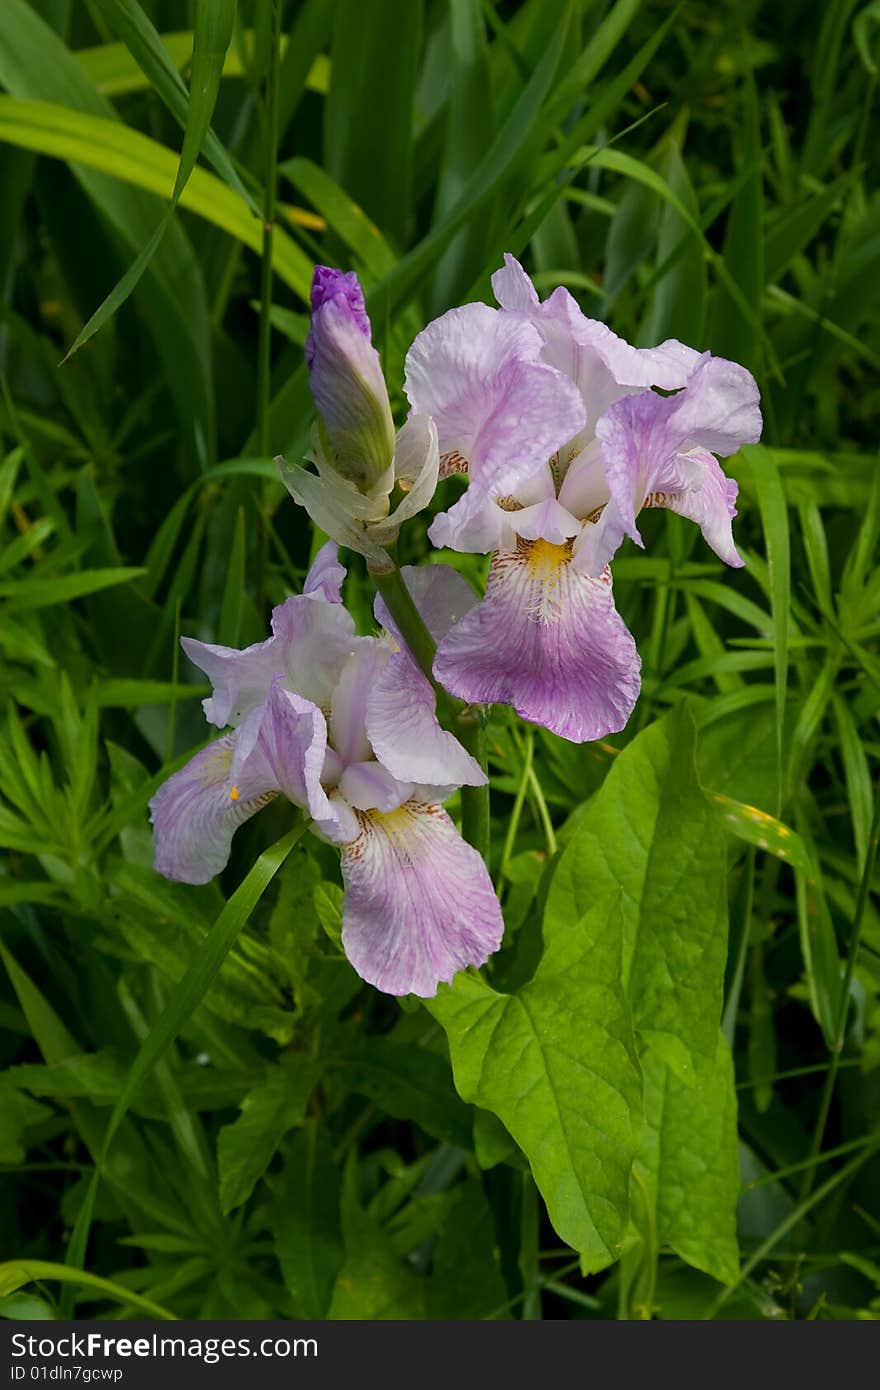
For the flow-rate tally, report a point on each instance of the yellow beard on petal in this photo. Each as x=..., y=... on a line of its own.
x=546, y=565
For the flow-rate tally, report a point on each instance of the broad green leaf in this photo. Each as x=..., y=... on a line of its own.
x=305, y=1222
x=343, y=216
x=114, y=70
x=688, y=1163
x=148, y=58
x=678, y=301
x=95, y=143
x=652, y=837
x=555, y=1062
x=245, y=1148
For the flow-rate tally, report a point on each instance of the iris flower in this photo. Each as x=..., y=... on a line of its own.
x=553, y=419
x=358, y=457
x=345, y=727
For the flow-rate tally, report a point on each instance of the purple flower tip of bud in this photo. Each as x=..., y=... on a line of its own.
x=344, y=287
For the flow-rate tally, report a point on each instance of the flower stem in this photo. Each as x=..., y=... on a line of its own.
x=468, y=722
x=470, y=730
x=410, y=624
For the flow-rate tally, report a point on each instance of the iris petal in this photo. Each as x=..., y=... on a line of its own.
x=419, y=904
x=548, y=640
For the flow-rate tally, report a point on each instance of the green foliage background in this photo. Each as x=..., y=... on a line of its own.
x=289, y=1142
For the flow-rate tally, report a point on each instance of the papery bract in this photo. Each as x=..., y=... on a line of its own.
x=345, y=727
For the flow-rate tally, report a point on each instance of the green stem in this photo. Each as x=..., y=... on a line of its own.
x=468, y=722
x=516, y=813
x=264, y=366
x=410, y=624
x=470, y=730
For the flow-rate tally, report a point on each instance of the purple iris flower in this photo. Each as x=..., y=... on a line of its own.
x=553, y=419
x=346, y=728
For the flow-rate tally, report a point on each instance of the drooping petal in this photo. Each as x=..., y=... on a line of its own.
x=712, y=505
x=654, y=449
x=346, y=379
x=476, y=371
x=548, y=640
x=419, y=904
x=326, y=575
x=402, y=709
x=197, y=811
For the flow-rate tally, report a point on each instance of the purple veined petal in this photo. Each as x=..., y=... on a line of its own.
x=241, y=679
x=513, y=288
x=476, y=371
x=650, y=445
x=316, y=639
x=548, y=640
x=668, y=365
x=440, y=593
x=370, y=787
x=712, y=505
x=283, y=744
x=326, y=575
x=402, y=709
x=405, y=735
x=599, y=542
x=473, y=525
x=346, y=379
x=719, y=410
x=348, y=703
x=341, y=825
x=419, y=904
x=197, y=811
